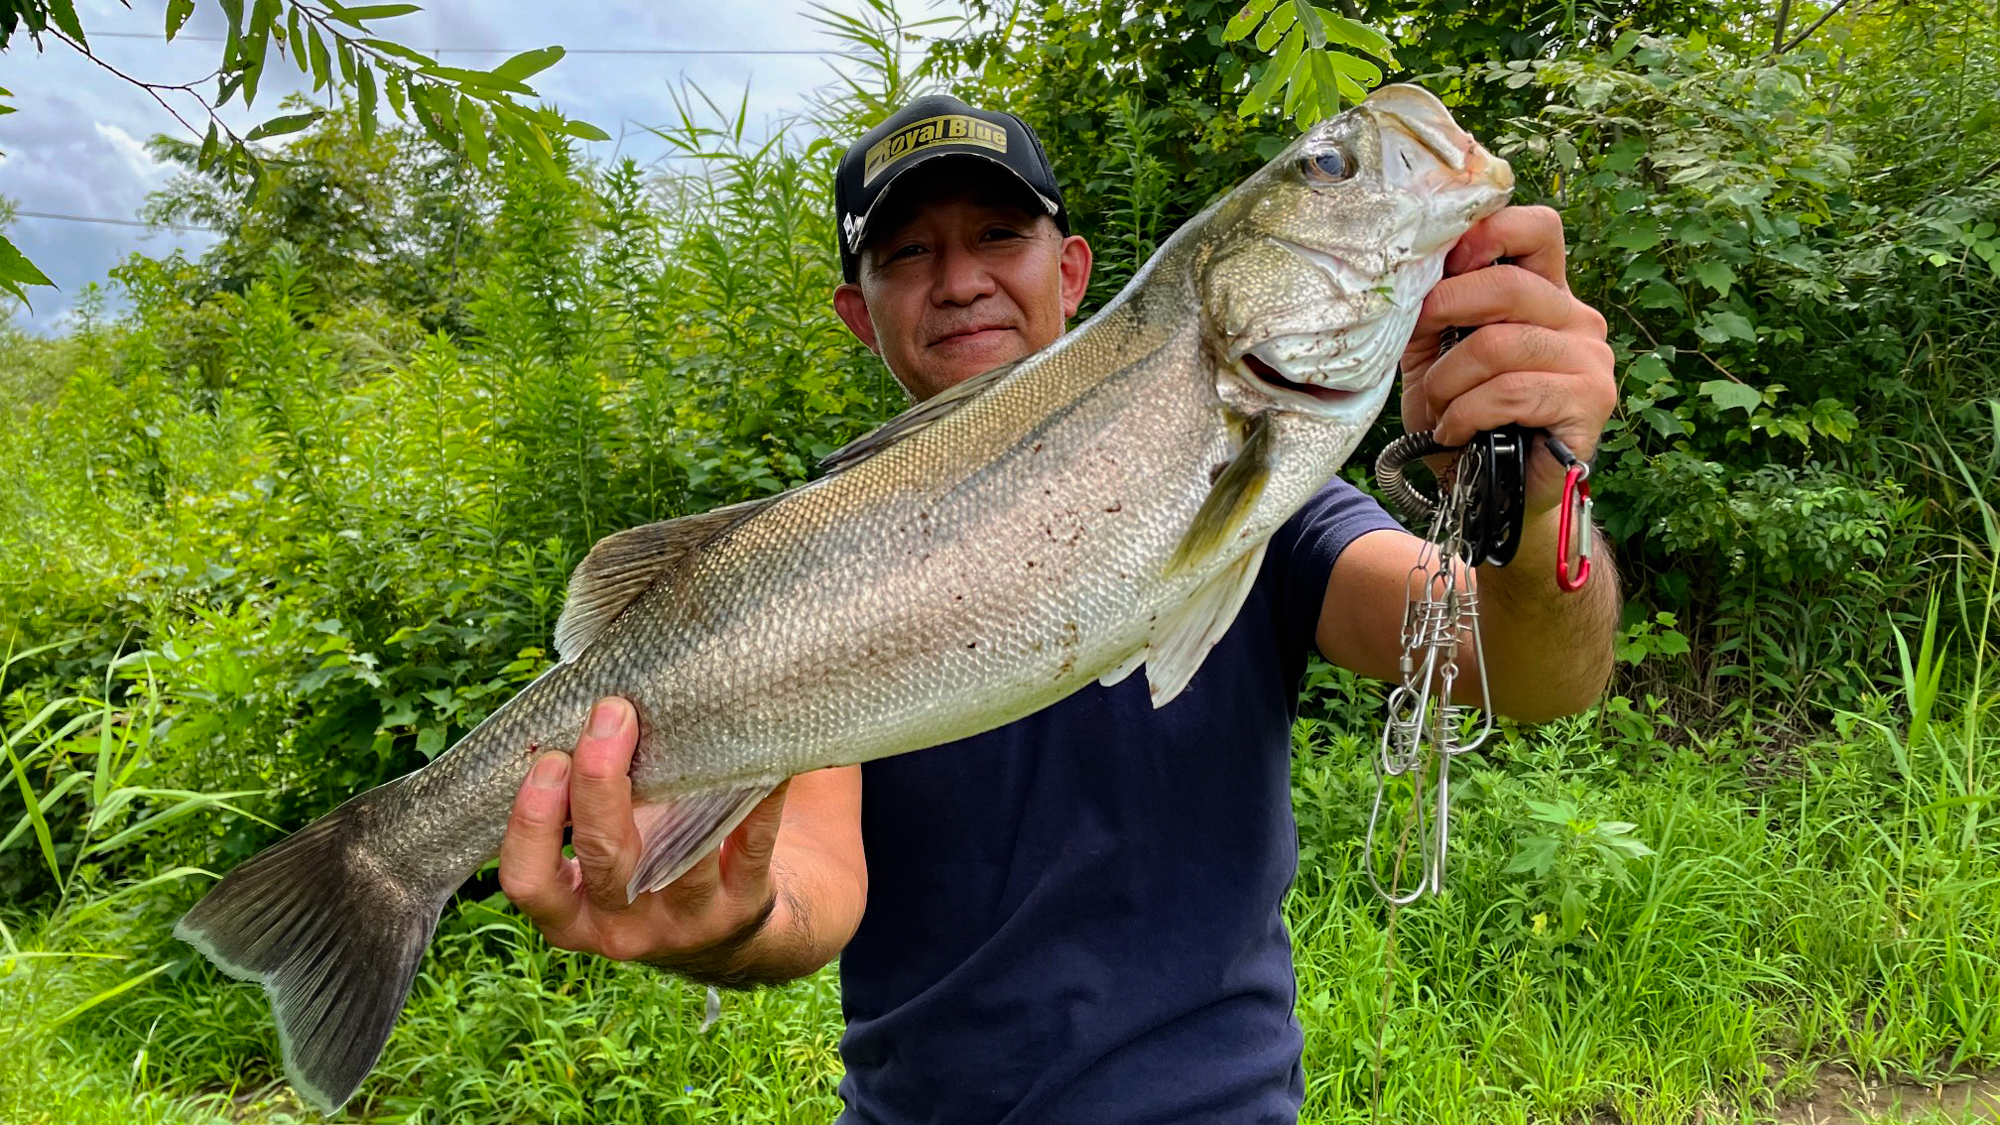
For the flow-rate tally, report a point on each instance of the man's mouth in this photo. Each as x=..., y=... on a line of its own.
x=965, y=333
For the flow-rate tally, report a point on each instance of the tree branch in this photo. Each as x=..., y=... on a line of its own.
x=153, y=88
x=1815, y=26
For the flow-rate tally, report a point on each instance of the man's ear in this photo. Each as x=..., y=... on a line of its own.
x=853, y=310
x=1075, y=267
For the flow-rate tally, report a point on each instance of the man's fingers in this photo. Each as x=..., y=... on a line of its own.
x=1491, y=296
x=1499, y=349
x=600, y=803
x=533, y=872
x=1531, y=236
x=690, y=895
x=746, y=854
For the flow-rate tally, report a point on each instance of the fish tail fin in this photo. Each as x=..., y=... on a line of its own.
x=333, y=933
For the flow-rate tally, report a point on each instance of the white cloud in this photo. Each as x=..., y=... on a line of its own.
x=133, y=151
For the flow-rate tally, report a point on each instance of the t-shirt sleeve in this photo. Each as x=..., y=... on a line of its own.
x=1305, y=548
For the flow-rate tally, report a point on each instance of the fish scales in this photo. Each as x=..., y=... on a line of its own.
x=1102, y=503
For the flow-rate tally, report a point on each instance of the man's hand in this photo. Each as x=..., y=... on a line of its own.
x=699, y=921
x=1538, y=356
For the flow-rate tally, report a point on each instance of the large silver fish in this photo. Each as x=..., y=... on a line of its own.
x=1058, y=522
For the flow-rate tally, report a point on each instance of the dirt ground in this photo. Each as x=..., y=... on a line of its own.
x=1841, y=1099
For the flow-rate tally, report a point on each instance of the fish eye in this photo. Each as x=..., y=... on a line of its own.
x=1329, y=167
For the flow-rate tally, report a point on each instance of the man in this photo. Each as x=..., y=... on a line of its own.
x=1076, y=917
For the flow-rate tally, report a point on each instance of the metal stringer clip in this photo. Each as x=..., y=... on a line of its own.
x=1425, y=728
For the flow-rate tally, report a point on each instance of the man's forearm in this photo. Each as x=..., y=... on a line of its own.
x=1548, y=653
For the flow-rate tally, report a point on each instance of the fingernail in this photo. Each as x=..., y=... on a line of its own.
x=607, y=718
x=549, y=771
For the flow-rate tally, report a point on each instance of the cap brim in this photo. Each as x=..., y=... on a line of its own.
x=919, y=160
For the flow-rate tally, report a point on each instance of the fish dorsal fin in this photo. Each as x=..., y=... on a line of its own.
x=1181, y=639
x=625, y=565
x=912, y=421
x=1230, y=498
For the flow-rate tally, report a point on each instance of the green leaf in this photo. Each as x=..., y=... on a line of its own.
x=1648, y=368
x=477, y=79
x=407, y=54
x=1273, y=31
x=1315, y=29
x=1573, y=916
x=178, y=12
x=1716, y=275
x=284, y=123
x=107, y=994
x=1276, y=73
x=63, y=14
x=352, y=16
x=472, y=130
x=527, y=64
x=1722, y=326
x=1363, y=72
x=529, y=141
x=1536, y=856
x=28, y=797
x=582, y=130
x=1245, y=19
x=1333, y=85
x=1635, y=238
x=1727, y=394
x=365, y=101
x=322, y=62
x=1340, y=29
x=16, y=271
x=430, y=741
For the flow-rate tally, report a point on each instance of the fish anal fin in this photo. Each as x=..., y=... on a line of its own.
x=1130, y=665
x=625, y=565
x=1181, y=639
x=1230, y=498
x=914, y=420
x=674, y=834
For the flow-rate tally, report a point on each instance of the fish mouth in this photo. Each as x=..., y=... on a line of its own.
x=1299, y=395
x=1425, y=148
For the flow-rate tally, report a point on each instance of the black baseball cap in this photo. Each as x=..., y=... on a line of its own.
x=930, y=127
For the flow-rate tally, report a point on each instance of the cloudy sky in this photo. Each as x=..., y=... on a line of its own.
x=76, y=146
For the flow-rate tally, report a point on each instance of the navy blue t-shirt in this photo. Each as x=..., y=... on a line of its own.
x=1076, y=917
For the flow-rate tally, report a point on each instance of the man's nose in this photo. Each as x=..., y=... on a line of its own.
x=961, y=278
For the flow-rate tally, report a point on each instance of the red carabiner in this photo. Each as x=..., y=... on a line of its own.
x=1573, y=529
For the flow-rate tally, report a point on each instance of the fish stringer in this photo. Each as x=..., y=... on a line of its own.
x=1476, y=517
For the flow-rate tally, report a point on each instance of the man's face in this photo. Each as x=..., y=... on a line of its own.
x=958, y=278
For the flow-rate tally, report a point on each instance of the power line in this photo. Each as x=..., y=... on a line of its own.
x=115, y=222
x=516, y=51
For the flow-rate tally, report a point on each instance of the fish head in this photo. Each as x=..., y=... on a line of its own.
x=1316, y=267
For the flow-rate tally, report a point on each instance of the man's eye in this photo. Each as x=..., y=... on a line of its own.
x=907, y=250
x=1003, y=233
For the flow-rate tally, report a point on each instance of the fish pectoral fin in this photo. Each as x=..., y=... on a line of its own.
x=627, y=564
x=1181, y=640
x=674, y=834
x=1230, y=498
x=913, y=420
